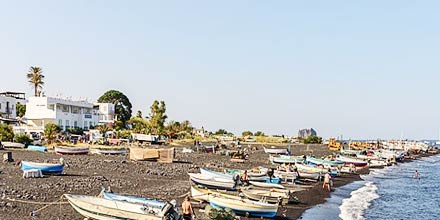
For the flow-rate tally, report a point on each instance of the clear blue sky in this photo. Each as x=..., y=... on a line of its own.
x=364, y=69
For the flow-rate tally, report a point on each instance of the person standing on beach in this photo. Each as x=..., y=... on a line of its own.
x=187, y=209
x=327, y=179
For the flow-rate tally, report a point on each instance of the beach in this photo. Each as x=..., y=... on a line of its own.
x=85, y=175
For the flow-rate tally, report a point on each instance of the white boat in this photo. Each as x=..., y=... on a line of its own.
x=257, y=175
x=105, y=209
x=7, y=144
x=212, y=182
x=377, y=163
x=274, y=150
x=245, y=206
x=272, y=196
x=237, y=204
x=109, y=151
x=215, y=174
x=266, y=185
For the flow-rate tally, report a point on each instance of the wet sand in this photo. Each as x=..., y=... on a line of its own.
x=87, y=173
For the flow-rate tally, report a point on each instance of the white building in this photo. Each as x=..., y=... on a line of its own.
x=8, y=105
x=66, y=113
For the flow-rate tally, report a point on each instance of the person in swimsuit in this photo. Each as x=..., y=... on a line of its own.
x=187, y=209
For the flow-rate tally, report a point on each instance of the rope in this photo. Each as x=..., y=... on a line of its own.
x=36, y=203
x=47, y=204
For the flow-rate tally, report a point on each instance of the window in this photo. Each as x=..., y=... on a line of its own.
x=60, y=122
x=75, y=124
x=0, y=105
x=51, y=107
x=90, y=124
x=67, y=124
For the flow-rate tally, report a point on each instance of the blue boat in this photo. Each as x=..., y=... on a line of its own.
x=37, y=148
x=151, y=203
x=46, y=168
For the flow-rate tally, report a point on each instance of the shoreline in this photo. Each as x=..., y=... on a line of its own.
x=87, y=173
x=355, y=178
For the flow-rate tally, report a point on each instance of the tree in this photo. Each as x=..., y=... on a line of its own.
x=139, y=125
x=139, y=114
x=23, y=138
x=103, y=129
x=246, y=133
x=186, y=126
x=20, y=110
x=158, y=117
x=172, y=128
x=313, y=140
x=35, y=78
x=50, y=132
x=221, y=132
x=259, y=133
x=6, y=132
x=122, y=104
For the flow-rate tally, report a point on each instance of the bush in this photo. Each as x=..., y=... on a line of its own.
x=221, y=214
x=23, y=139
x=6, y=132
x=124, y=134
x=313, y=140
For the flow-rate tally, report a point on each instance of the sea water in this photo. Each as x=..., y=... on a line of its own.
x=389, y=193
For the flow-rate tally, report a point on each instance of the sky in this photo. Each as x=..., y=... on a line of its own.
x=361, y=69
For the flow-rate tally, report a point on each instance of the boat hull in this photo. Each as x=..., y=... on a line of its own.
x=72, y=150
x=275, y=150
x=45, y=168
x=254, y=209
x=37, y=148
x=212, y=183
x=104, y=209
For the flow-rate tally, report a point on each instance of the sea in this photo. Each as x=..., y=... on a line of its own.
x=389, y=193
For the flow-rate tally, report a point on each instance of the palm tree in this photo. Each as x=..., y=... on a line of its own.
x=51, y=132
x=35, y=78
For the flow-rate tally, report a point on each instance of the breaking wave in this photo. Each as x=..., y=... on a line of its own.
x=353, y=208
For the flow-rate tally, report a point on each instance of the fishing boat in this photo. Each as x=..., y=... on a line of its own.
x=352, y=161
x=109, y=151
x=271, y=196
x=105, y=209
x=266, y=185
x=285, y=159
x=316, y=161
x=254, y=175
x=7, y=144
x=245, y=206
x=205, y=194
x=37, y=148
x=274, y=150
x=152, y=204
x=216, y=174
x=377, y=163
x=212, y=182
x=46, y=168
x=71, y=150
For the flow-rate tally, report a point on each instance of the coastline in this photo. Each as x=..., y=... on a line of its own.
x=355, y=178
x=87, y=173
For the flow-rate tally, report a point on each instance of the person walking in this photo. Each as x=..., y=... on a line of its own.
x=327, y=180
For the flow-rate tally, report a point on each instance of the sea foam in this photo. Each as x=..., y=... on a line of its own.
x=354, y=207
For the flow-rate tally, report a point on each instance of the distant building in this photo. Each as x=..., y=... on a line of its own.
x=66, y=113
x=8, y=106
x=305, y=133
x=200, y=132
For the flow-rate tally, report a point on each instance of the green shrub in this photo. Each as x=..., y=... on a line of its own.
x=221, y=214
x=6, y=132
x=23, y=138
